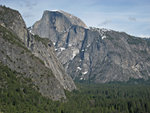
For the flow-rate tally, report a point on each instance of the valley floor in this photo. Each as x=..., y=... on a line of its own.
x=18, y=96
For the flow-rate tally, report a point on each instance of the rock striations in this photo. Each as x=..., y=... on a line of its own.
x=93, y=54
x=31, y=56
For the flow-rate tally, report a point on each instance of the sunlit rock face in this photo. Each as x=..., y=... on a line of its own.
x=93, y=54
x=31, y=56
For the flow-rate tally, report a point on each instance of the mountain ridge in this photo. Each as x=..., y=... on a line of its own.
x=21, y=51
x=96, y=55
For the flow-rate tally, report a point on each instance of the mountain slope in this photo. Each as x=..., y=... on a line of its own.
x=95, y=55
x=17, y=95
x=32, y=56
x=20, y=59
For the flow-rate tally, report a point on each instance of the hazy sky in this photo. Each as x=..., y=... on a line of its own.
x=131, y=16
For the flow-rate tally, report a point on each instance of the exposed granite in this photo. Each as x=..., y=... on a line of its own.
x=32, y=56
x=92, y=54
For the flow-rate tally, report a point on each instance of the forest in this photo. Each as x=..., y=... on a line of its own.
x=17, y=95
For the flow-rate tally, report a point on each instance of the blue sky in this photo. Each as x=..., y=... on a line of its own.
x=131, y=16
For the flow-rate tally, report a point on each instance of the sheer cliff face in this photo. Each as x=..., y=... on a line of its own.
x=13, y=20
x=111, y=56
x=94, y=55
x=32, y=56
x=53, y=24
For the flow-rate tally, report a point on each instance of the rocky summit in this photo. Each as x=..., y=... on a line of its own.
x=93, y=54
x=31, y=57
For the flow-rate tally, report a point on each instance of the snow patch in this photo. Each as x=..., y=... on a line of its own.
x=101, y=31
x=85, y=72
x=31, y=32
x=70, y=45
x=62, y=49
x=103, y=37
x=79, y=68
x=81, y=78
x=75, y=52
x=55, y=10
x=86, y=27
x=88, y=45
